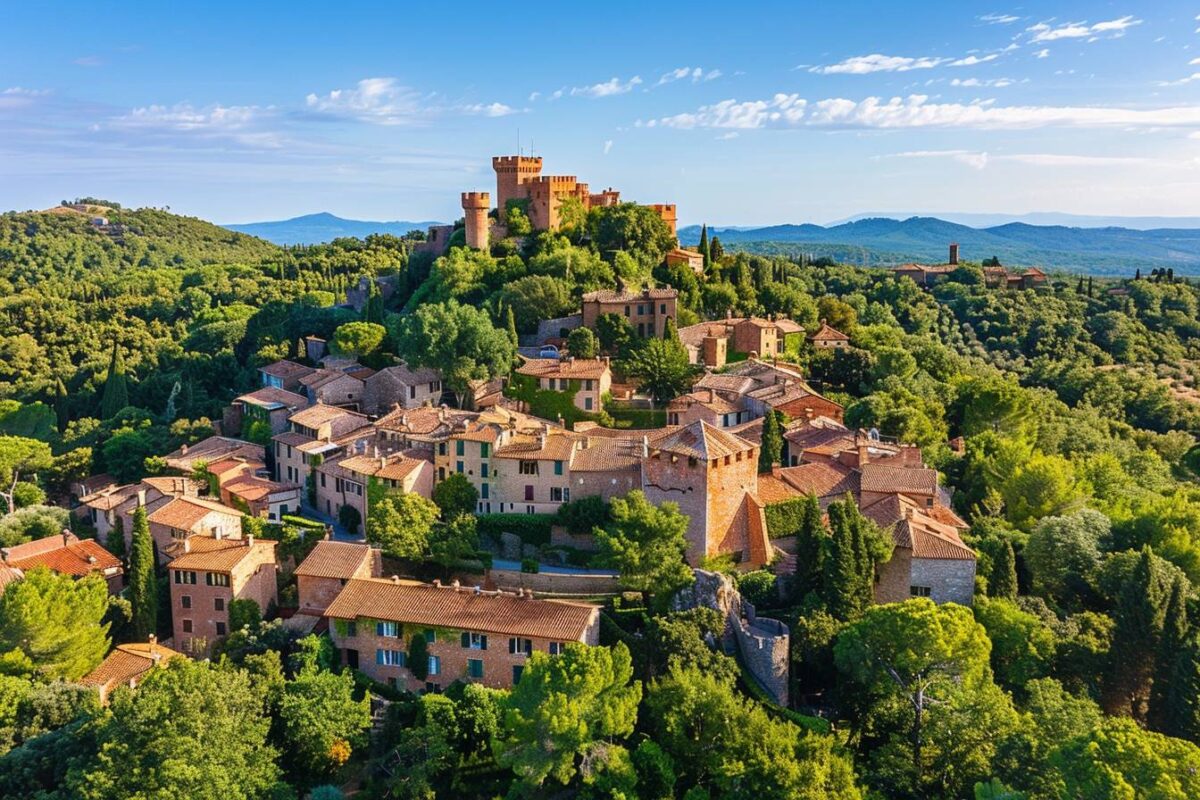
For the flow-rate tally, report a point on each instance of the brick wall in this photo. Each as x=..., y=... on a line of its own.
x=681, y=483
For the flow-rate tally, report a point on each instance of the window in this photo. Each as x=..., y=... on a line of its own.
x=186, y=601
x=220, y=629
x=459, y=447
x=558, y=468
x=919, y=591
x=627, y=311
x=433, y=688
x=388, y=629
x=650, y=329
x=662, y=308
x=322, y=480
x=558, y=494
x=435, y=665
x=484, y=449
x=219, y=604
x=587, y=404
x=216, y=579
x=475, y=667
x=527, y=467
x=441, y=448
x=520, y=647
x=389, y=658
x=185, y=577
x=352, y=628
x=412, y=392
x=483, y=470
x=442, y=473
x=474, y=641
x=187, y=626
x=558, y=648
x=528, y=493
x=458, y=467
x=641, y=310
x=430, y=635
x=587, y=385
x=517, y=670
x=483, y=490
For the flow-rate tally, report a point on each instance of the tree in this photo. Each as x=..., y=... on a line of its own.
x=1172, y=645
x=633, y=229
x=459, y=340
x=722, y=743
x=373, y=312
x=1045, y=485
x=853, y=548
x=660, y=367
x=189, y=713
x=32, y=522
x=20, y=457
x=582, y=343
x=355, y=339
x=771, y=452
x=454, y=541
x=322, y=723
x=932, y=662
x=681, y=639
x=418, y=656
x=534, y=298
x=116, y=385
x=114, y=542
x=1139, y=616
x=811, y=543
x=1023, y=646
x=456, y=495
x=143, y=585
x=1063, y=552
x=244, y=613
x=615, y=333
x=703, y=246
x=1118, y=759
x=55, y=622
x=1004, y=573
x=401, y=523
x=510, y=326
x=566, y=712
x=646, y=544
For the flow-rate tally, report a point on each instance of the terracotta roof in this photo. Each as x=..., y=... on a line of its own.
x=272, y=398
x=9, y=575
x=554, y=446
x=927, y=539
x=827, y=333
x=286, y=370
x=683, y=251
x=386, y=467
x=443, y=607
x=64, y=554
x=182, y=513
x=568, y=368
x=173, y=485
x=705, y=397
x=607, y=455
x=611, y=296
x=825, y=480
x=787, y=326
x=693, y=335
x=95, y=483
x=885, y=478
x=234, y=464
x=750, y=431
x=127, y=663
x=321, y=377
x=407, y=376
x=331, y=559
x=773, y=489
x=212, y=449
x=292, y=438
x=318, y=414
x=219, y=555
x=252, y=487
x=109, y=498
x=701, y=440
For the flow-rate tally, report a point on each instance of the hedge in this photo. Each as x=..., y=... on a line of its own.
x=532, y=529
x=784, y=519
x=304, y=522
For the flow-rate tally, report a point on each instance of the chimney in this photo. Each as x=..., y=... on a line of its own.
x=645, y=447
x=478, y=590
x=66, y=537
x=437, y=582
x=864, y=456
x=250, y=540
x=183, y=449
x=455, y=585
x=954, y=254
x=141, y=498
x=4, y=554
x=395, y=579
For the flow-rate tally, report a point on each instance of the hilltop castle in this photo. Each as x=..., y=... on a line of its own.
x=520, y=178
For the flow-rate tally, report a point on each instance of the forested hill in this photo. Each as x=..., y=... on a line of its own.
x=869, y=242
x=324, y=227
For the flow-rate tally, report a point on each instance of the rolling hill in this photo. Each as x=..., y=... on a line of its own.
x=323, y=227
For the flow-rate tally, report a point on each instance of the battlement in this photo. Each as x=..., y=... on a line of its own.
x=663, y=208
x=557, y=181
x=517, y=163
x=476, y=200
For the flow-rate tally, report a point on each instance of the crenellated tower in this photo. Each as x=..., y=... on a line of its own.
x=512, y=172
x=475, y=214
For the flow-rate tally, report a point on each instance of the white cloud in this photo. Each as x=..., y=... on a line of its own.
x=1044, y=32
x=19, y=97
x=489, y=109
x=694, y=74
x=915, y=111
x=608, y=88
x=607, y=145
x=998, y=19
x=1194, y=62
x=533, y=96
x=877, y=62
x=186, y=117
x=1043, y=53
x=998, y=83
x=379, y=100
x=980, y=160
x=1195, y=76
x=971, y=61
x=724, y=137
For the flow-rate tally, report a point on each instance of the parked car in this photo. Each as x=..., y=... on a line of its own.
x=548, y=351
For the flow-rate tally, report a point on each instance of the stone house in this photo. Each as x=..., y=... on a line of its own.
x=589, y=378
x=402, y=387
x=261, y=497
x=328, y=568
x=270, y=406
x=929, y=559
x=66, y=554
x=647, y=311
x=532, y=472
x=827, y=337
x=708, y=406
x=183, y=518
x=284, y=375
x=928, y=275
x=333, y=387
x=348, y=481
x=127, y=665
x=117, y=503
x=758, y=386
x=472, y=635
x=207, y=575
x=687, y=258
x=316, y=433
x=421, y=429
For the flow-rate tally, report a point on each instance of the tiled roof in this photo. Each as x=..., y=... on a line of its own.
x=234, y=464
x=607, y=455
x=694, y=335
x=66, y=555
x=317, y=415
x=554, y=446
x=110, y=498
x=252, y=487
x=423, y=421
x=568, y=368
x=183, y=513
x=750, y=431
x=321, y=377
x=219, y=555
x=212, y=449
x=410, y=377
x=9, y=575
x=611, y=296
x=285, y=369
x=128, y=662
x=707, y=398
x=331, y=559
x=386, y=467
x=772, y=489
x=173, y=485
x=684, y=252
x=272, y=398
x=825, y=480
x=443, y=607
x=884, y=478
x=927, y=539
x=701, y=440
x=292, y=438
x=826, y=333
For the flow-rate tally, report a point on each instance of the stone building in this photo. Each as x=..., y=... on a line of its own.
x=348, y=481
x=65, y=554
x=471, y=635
x=646, y=310
x=929, y=274
x=328, y=568
x=174, y=523
x=268, y=405
x=400, y=387
x=589, y=378
x=284, y=375
x=827, y=337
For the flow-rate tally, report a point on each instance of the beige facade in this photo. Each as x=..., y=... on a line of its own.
x=182, y=518
x=647, y=311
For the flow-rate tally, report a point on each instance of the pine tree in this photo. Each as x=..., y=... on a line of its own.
x=61, y=412
x=1004, y=573
x=1079, y=286
x=1137, y=276
x=1089, y=286
x=1181, y=702
x=143, y=589
x=510, y=324
x=772, y=442
x=840, y=573
x=1170, y=644
x=811, y=539
x=114, y=542
x=418, y=656
x=1141, y=608
x=704, y=248
x=116, y=386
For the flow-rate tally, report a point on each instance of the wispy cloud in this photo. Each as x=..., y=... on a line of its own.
x=1195, y=76
x=608, y=88
x=980, y=160
x=1044, y=32
x=877, y=62
x=247, y=125
x=489, y=109
x=999, y=19
x=608, y=143
x=998, y=83
x=916, y=111
x=971, y=61
x=694, y=74
x=1043, y=53
x=89, y=61
x=382, y=101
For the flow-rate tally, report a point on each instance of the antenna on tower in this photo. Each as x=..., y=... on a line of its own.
x=518, y=140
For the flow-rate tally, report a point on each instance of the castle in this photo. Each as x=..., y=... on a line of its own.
x=520, y=178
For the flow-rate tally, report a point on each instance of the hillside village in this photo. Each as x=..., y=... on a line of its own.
x=506, y=446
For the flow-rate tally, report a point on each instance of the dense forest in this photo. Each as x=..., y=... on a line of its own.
x=1062, y=420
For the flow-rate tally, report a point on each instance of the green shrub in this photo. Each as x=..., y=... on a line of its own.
x=581, y=516
x=758, y=587
x=784, y=519
x=533, y=529
x=529, y=565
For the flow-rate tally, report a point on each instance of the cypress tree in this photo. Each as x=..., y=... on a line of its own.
x=1137, y=276
x=116, y=386
x=1089, y=287
x=1170, y=644
x=1181, y=701
x=114, y=542
x=704, y=249
x=143, y=591
x=61, y=413
x=510, y=324
x=840, y=573
x=418, y=656
x=810, y=550
x=1139, y=622
x=772, y=442
x=1004, y=573
x=374, y=309
x=1079, y=286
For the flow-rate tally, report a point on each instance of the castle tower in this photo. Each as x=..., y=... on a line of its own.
x=475, y=212
x=512, y=173
x=667, y=212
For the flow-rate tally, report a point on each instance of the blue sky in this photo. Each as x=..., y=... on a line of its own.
x=751, y=113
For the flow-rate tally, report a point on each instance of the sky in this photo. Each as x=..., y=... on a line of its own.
x=741, y=114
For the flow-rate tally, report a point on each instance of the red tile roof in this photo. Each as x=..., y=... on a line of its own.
x=331, y=559
x=183, y=513
x=126, y=665
x=701, y=440
x=565, y=368
x=827, y=333
x=221, y=555
x=65, y=554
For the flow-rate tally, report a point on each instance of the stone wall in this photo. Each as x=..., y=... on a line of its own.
x=949, y=580
x=551, y=583
x=553, y=328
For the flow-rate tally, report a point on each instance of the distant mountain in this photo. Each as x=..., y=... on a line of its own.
x=1035, y=218
x=1101, y=251
x=323, y=227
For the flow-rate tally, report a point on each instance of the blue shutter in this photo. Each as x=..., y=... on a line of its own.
x=379, y=657
x=466, y=639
